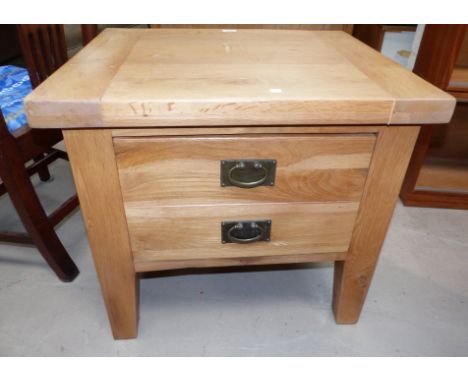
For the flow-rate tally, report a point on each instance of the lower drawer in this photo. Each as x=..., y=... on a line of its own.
x=194, y=232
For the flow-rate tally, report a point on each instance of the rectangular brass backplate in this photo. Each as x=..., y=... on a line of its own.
x=244, y=232
x=247, y=173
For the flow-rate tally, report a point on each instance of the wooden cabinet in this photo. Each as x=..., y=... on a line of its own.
x=438, y=173
x=204, y=148
x=374, y=34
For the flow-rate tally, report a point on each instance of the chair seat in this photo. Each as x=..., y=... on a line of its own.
x=15, y=85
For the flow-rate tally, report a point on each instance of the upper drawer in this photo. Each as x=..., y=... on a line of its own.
x=187, y=170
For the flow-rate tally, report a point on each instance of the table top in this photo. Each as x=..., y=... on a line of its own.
x=199, y=77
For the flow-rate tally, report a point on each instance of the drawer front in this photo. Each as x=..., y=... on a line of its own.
x=194, y=232
x=187, y=170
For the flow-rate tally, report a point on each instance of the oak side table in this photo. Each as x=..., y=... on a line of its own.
x=200, y=148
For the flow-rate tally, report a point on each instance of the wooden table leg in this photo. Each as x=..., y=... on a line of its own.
x=95, y=173
x=353, y=276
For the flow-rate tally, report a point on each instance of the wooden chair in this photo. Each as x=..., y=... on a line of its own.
x=44, y=51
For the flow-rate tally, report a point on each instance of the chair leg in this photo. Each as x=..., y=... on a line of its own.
x=44, y=174
x=31, y=212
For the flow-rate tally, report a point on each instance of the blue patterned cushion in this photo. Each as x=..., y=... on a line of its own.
x=14, y=86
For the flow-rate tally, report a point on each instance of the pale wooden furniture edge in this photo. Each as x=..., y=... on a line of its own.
x=310, y=168
x=185, y=233
x=92, y=159
x=416, y=101
x=348, y=28
x=148, y=266
x=240, y=130
x=90, y=89
x=53, y=104
x=388, y=166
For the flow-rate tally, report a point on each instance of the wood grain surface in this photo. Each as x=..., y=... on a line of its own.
x=207, y=77
x=243, y=130
x=312, y=27
x=72, y=95
x=101, y=203
x=416, y=101
x=459, y=79
x=353, y=276
x=439, y=174
x=186, y=170
x=194, y=232
x=149, y=264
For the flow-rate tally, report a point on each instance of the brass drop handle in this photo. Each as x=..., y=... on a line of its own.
x=239, y=227
x=247, y=184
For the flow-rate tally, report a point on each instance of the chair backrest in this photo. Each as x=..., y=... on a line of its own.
x=6, y=142
x=44, y=49
x=88, y=32
x=3, y=131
